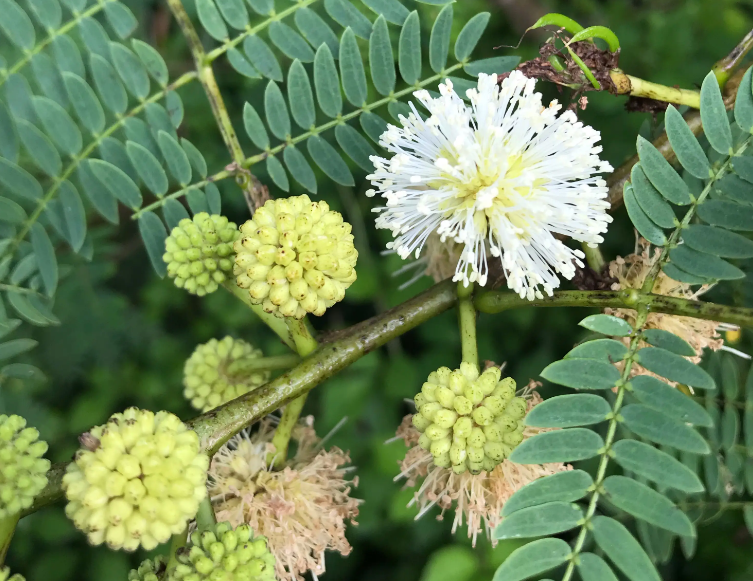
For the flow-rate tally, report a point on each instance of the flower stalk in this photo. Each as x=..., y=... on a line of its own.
x=7, y=528
x=467, y=321
x=205, y=519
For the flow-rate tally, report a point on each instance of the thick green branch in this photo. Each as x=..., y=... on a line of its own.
x=496, y=302
x=635, y=87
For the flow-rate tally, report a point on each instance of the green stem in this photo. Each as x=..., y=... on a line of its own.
x=467, y=323
x=352, y=115
x=228, y=44
x=635, y=87
x=277, y=324
x=305, y=344
x=7, y=528
x=246, y=366
x=724, y=68
x=28, y=55
x=18, y=289
x=205, y=519
x=224, y=174
x=85, y=153
x=594, y=258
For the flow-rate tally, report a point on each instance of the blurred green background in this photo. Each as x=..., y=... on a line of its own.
x=125, y=333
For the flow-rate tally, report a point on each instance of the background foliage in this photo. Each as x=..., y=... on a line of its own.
x=125, y=333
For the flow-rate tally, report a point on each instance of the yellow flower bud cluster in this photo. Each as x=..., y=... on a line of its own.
x=23, y=471
x=214, y=373
x=469, y=421
x=6, y=576
x=137, y=480
x=149, y=570
x=199, y=252
x=295, y=257
x=224, y=554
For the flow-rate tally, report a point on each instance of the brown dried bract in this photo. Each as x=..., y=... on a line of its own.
x=586, y=278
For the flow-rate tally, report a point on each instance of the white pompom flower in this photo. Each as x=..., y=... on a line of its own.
x=503, y=176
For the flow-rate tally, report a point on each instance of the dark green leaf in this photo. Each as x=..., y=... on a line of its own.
x=101, y=198
x=174, y=212
x=662, y=429
x=470, y=35
x=398, y=109
x=175, y=110
x=153, y=61
x=653, y=464
x=255, y=127
x=351, y=69
x=74, y=213
x=11, y=212
x=138, y=131
x=154, y=234
x=686, y=146
x=409, y=50
x=566, y=445
x=95, y=37
x=674, y=368
x=241, y=64
x=650, y=200
x=22, y=305
x=539, y=521
x=46, y=260
x=114, y=152
x=492, y=66
x=566, y=411
x=85, y=103
x=726, y=214
x=439, y=43
x=743, y=166
x=624, y=551
x=645, y=226
x=670, y=401
x=8, y=138
x=117, y=183
x=16, y=25
x=194, y=156
x=316, y=30
x=262, y=7
x=176, y=158
x=582, y=374
x=717, y=241
x=327, y=158
x=730, y=427
x=327, y=82
x=120, y=18
x=668, y=341
x=277, y=172
x=733, y=188
x=607, y=325
x=211, y=20
x=373, y=125
x=381, y=59
x=566, y=486
x=67, y=55
x=18, y=94
x=355, y=146
x=714, y=116
x=19, y=181
x=661, y=174
x=108, y=85
x=348, y=16
x=148, y=168
x=158, y=120
x=711, y=474
x=292, y=44
x=59, y=125
x=744, y=103
x=48, y=12
x=131, y=70
x=197, y=201
x=23, y=269
x=234, y=12
x=214, y=200
x=299, y=168
x=22, y=371
x=40, y=149
x=262, y=57
x=680, y=275
x=703, y=264
x=532, y=559
x=300, y=95
x=646, y=504
x=607, y=350
x=276, y=111
x=748, y=517
x=593, y=568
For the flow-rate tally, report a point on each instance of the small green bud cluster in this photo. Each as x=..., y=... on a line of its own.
x=6, y=576
x=149, y=570
x=469, y=421
x=137, y=480
x=295, y=257
x=224, y=554
x=23, y=471
x=214, y=373
x=199, y=252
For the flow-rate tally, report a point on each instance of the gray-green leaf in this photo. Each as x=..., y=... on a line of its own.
x=566, y=411
x=539, y=521
x=101, y=198
x=470, y=35
x=662, y=429
x=276, y=111
x=582, y=373
x=290, y=43
x=607, y=325
x=668, y=341
x=40, y=149
x=645, y=226
x=316, y=30
x=16, y=347
x=17, y=25
x=348, y=16
x=717, y=241
x=533, y=559
x=58, y=125
x=153, y=233
x=568, y=445
x=19, y=181
x=726, y=214
x=607, y=350
x=153, y=61
x=300, y=95
x=661, y=174
x=85, y=103
x=351, y=69
x=686, y=146
x=409, y=49
x=439, y=42
x=355, y=146
x=74, y=213
x=299, y=168
x=234, y=12
x=327, y=158
x=653, y=464
x=117, y=183
x=593, y=568
x=195, y=157
x=566, y=486
x=131, y=70
x=704, y=265
x=211, y=20
x=670, y=401
x=391, y=10
x=262, y=57
x=255, y=127
x=277, y=172
x=120, y=18
x=714, y=116
x=148, y=168
x=674, y=367
x=624, y=551
x=176, y=158
x=656, y=208
x=46, y=260
x=108, y=85
x=744, y=103
x=327, y=83
x=381, y=59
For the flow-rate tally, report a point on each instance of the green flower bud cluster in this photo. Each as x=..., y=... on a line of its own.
x=295, y=257
x=137, y=480
x=469, y=421
x=214, y=373
x=23, y=471
x=6, y=576
x=199, y=252
x=224, y=554
x=149, y=570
